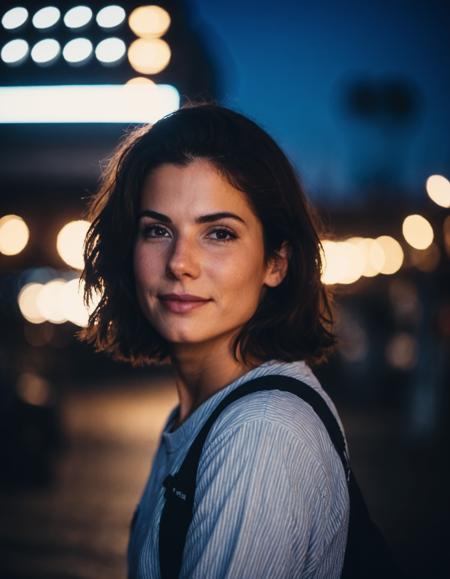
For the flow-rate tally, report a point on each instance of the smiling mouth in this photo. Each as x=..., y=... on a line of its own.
x=180, y=304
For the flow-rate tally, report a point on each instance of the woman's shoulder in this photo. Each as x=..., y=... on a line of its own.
x=279, y=412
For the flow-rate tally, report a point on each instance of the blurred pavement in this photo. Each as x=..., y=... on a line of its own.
x=78, y=527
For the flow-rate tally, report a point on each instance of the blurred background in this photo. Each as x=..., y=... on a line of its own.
x=357, y=94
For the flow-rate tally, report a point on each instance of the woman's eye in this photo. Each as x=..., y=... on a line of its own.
x=154, y=231
x=221, y=234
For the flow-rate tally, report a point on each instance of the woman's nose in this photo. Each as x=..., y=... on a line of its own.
x=183, y=260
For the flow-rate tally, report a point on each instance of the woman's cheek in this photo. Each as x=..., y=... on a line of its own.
x=146, y=263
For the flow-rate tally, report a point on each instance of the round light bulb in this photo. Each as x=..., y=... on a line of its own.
x=45, y=51
x=78, y=51
x=15, y=51
x=110, y=16
x=149, y=21
x=110, y=50
x=46, y=17
x=14, y=18
x=77, y=17
x=149, y=56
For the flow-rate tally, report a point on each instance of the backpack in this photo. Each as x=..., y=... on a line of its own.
x=366, y=556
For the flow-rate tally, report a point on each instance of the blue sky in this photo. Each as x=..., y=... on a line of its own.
x=285, y=65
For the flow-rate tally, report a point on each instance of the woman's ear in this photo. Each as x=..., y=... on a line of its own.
x=277, y=266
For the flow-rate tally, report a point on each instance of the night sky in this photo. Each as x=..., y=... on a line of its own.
x=288, y=65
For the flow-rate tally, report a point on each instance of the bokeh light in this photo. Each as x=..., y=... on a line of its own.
x=15, y=51
x=33, y=389
x=372, y=255
x=14, y=18
x=401, y=351
x=78, y=51
x=46, y=17
x=50, y=301
x=14, y=234
x=96, y=103
x=330, y=272
x=425, y=259
x=149, y=56
x=39, y=335
x=111, y=16
x=139, y=80
x=70, y=242
x=351, y=262
x=353, y=343
x=345, y=262
x=28, y=303
x=405, y=301
x=417, y=231
x=393, y=254
x=46, y=51
x=75, y=309
x=56, y=301
x=342, y=262
x=446, y=232
x=77, y=17
x=149, y=21
x=438, y=189
x=110, y=50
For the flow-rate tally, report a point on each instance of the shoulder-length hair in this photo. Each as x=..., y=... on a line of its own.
x=292, y=322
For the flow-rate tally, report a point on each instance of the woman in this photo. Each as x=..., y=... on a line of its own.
x=206, y=253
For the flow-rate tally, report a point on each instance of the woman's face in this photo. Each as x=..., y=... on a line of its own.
x=199, y=255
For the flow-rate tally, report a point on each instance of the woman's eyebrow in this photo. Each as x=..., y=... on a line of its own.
x=216, y=216
x=211, y=217
x=155, y=215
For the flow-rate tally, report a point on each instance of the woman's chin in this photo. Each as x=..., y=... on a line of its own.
x=177, y=339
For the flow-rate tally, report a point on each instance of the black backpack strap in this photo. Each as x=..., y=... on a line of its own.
x=367, y=554
x=180, y=488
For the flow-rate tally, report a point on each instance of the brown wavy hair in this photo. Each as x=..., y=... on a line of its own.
x=292, y=322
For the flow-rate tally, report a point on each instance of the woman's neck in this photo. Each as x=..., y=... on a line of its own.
x=202, y=371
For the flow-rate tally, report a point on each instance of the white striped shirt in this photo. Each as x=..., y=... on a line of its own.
x=271, y=497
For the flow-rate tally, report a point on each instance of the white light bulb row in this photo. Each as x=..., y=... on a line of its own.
x=77, y=51
x=148, y=54
x=77, y=17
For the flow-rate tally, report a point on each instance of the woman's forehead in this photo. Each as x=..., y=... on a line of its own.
x=197, y=186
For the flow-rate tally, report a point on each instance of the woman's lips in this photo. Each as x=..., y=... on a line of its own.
x=180, y=304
